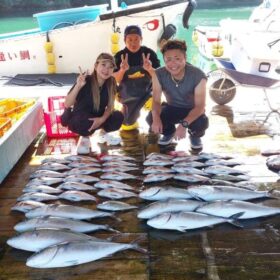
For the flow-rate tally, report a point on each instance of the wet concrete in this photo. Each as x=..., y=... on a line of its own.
x=244, y=129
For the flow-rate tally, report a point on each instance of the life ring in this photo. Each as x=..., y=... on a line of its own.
x=168, y=32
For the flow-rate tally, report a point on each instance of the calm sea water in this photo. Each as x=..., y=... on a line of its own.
x=199, y=17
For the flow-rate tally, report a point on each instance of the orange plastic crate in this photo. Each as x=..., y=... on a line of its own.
x=5, y=124
x=52, y=119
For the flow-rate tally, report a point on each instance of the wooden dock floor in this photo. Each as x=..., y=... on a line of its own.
x=243, y=129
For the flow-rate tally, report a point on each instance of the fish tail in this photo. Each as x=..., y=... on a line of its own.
x=233, y=219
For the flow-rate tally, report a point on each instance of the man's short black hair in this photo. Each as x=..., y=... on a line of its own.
x=174, y=45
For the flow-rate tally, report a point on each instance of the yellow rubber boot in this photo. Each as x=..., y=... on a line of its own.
x=129, y=127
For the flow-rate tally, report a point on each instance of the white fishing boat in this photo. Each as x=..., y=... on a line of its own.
x=67, y=39
x=263, y=26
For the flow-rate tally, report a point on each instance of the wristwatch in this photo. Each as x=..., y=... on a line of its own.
x=184, y=124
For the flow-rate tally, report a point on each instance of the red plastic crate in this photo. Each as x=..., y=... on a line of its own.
x=53, y=124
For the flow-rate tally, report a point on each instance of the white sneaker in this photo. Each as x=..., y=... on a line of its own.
x=102, y=137
x=83, y=146
x=113, y=140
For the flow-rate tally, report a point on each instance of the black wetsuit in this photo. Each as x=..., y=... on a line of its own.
x=136, y=86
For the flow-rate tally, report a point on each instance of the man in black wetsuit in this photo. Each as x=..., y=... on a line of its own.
x=135, y=83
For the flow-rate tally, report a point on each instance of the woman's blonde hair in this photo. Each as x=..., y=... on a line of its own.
x=110, y=83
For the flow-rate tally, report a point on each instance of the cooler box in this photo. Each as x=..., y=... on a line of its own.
x=250, y=54
x=60, y=18
x=53, y=124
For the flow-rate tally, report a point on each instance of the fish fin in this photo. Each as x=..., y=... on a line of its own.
x=182, y=229
x=198, y=198
x=73, y=262
x=270, y=193
x=233, y=219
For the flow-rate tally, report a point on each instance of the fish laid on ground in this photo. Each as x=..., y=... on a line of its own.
x=85, y=163
x=220, y=162
x=77, y=252
x=57, y=160
x=80, y=158
x=105, y=184
x=195, y=164
x=39, y=239
x=44, y=181
x=118, y=176
x=188, y=158
x=77, y=196
x=210, y=193
x=159, y=156
x=191, y=178
x=37, y=196
x=47, y=173
x=53, y=166
x=61, y=223
x=221, y=169
x=75, y=186
x=26, y=205
x=226, y=209
x=42, y=189
x=207, y=156
x=151, y=178
x=118, y=163
x=157, y=170
x=189, y=170
x=232, y=178
x=115, y=206
x=183, y=221
x=164, y=193
x=81, y=178
x=116, y=158
x=158, y=162
x=116, y=193
x=120, y=168
x=83, y=171
x=67, y=211
x=171, y=205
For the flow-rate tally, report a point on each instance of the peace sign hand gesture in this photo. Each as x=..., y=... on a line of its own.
x=124, y=66
x=81, y=79
x=147, y=64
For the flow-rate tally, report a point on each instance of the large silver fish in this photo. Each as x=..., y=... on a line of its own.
x=150, y=178
x=116, y=193
x=232, y=178
x=67, y=211
x=120, y=168
x=189, y=170
x=80, y=158
x=195, y=164
x=118, y=163
x=77, y=252
x=187, y=158
x=105, y=184
x=158, y=162
x=220, y=162
x=221, y=169
x=115, y=206
x=191, y=178
x=57, y=160
x=207, y=156
x=183, y=221
x=226, y=209
x=37, y=196
x=39, y=239
x=159, y=156
x=85, y=163
x=26, y=205
x=44, y=181
x=77, y=196
x=53, y=166
x=42, y=189
x=157, y=169
x=75, y=186
x=210, y=193
x=83, y=171
x=61, y=223
x=164, y=193
x=116, y=158
x=81, y=178
x=47, y=173
x=171, y=205
x=118, y=176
